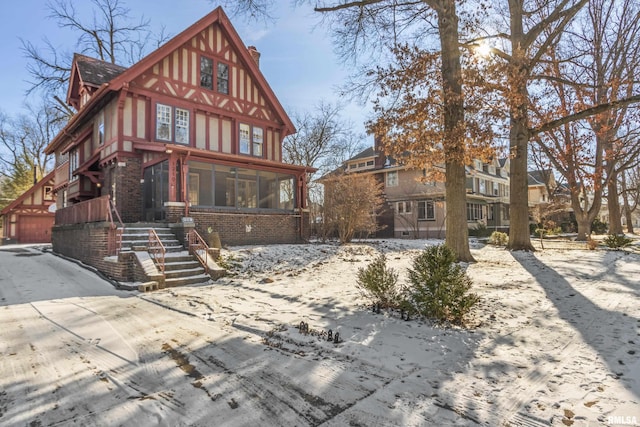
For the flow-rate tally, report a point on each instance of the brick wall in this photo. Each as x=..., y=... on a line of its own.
x=89, y=243
x=252, y=228
x=128, y=189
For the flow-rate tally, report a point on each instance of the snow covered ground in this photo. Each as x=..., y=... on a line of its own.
x=555, y=341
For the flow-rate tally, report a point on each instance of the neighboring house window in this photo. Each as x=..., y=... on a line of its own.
x=370, y=163
x=352, y=166
x=250, y=141
x=166, y=117
x=392, y=179
x=505, y=213
x=426, y=210
x=403, y=207
x=474, y=212
x=74, y=159
x=206, y=72
x=206, y=75
x=223, y=78
x=490, y=212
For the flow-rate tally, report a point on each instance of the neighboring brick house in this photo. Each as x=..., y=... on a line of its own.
x=29, y=218
x=193, y=131
x=415, y=207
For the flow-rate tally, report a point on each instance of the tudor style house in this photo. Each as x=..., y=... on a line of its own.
x=415, y=208
x=192, y=131
x=189, y=139
x=28, y=219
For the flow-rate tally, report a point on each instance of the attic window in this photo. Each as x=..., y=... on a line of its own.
x=221, y=82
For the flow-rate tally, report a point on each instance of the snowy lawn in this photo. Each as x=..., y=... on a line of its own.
x=555, y=339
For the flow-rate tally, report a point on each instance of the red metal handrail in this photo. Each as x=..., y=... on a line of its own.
x=199, y=248
x=156, y=249
x=115, y=233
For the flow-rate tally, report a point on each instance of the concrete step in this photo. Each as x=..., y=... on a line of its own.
x=184, y=273
x=190, y=280
x=181, y=265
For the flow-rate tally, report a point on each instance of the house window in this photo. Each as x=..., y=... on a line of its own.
x=392, y=179
x=257, y=141
x=426, y=210
x=474, y=212
x=74, y=160
x=206, y=72
x=182, y=126
x=370, y=163
x=250, y=140
x=166, y=116
x=206, y=75
x=403, y=207
x=163, y=122
x=48, y=192
x=223, y=78
x=101, y=129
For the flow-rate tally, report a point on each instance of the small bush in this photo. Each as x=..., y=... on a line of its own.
x=499, y=238
x=599, y=227
x=616, y=241
x=378, y=283
x=440, y=287
x=592, y=244
x=481, y=230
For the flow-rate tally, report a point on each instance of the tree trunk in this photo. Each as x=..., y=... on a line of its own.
x=627, y=209
x=457, y=233
x=519, y=238
x=613, y=204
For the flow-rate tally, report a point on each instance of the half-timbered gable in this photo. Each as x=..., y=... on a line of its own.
x=28, y=218
x=191, y=130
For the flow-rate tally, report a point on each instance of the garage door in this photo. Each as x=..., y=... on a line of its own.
x=35, y=229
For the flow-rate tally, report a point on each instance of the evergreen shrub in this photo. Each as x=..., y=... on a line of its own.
x=440, y=288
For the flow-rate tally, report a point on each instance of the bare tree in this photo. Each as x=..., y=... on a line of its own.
x=350, y=205
x=109, y=34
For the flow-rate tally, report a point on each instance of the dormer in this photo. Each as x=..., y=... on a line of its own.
x=87, y=75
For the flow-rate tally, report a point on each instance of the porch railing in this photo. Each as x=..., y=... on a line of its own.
x=199, y=248
x=100, y=209
x=93, y=210
x=156, y=249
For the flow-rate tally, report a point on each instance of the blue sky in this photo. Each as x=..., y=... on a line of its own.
x=297, y=60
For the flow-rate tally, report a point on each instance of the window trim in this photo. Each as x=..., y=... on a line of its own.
x=174, y=124
x=254, y=148
x=425, y=203
x=217, y=81
x=391, y=183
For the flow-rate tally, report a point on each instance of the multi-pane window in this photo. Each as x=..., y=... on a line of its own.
x=245, y=139
x=221, y=82
x=182, y=126
x=172, y=124
x=403, y=207
x=426, y=210
x=474, y=212
x=223, y=78
x=163, y=123
x=257, y=141
x=250, y=140
x=74, y=160
x=392, y=179
x=206, y=72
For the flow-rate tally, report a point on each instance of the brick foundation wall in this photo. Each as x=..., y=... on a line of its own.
x=252, y=228
x=89, y=243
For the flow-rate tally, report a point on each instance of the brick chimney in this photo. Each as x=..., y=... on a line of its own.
x=254, y=54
